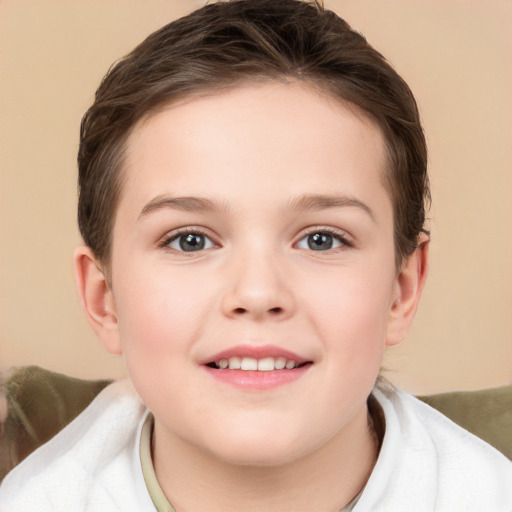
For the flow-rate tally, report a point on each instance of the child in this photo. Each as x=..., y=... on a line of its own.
x=252, y=201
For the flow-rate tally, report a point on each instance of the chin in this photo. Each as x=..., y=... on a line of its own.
x=259, y=447
x=257, y=457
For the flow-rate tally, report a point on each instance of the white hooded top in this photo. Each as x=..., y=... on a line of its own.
x=426, y=463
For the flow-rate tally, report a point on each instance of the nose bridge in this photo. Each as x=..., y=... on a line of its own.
x=258, y=285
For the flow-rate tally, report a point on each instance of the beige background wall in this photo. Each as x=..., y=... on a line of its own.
x=455, y=54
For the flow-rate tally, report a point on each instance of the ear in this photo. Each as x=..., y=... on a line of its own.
x=408, y=287
x=96, y=299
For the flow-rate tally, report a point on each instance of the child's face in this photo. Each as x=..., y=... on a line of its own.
x=254, y=223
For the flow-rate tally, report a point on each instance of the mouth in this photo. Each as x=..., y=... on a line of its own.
x=256, y=368
x=265, y=364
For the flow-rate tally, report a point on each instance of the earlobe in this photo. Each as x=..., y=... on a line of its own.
x=409, y=285
x=96, y=299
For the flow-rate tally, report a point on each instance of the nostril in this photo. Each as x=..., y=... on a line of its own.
x=273, y=311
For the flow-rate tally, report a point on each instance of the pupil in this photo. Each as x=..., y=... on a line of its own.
x=320, y=242
x=192, y=242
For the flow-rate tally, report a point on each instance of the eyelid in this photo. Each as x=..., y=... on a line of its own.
x=186, y=230
x=341, y=235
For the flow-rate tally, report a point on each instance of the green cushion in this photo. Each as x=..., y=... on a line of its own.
x=41, y=402
x=487, y=413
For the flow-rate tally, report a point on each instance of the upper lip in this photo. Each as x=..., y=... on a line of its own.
x=255, y=352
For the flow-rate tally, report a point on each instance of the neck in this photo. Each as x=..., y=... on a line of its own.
x=325, y=480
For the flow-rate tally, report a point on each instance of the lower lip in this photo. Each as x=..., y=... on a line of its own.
x=257, y=380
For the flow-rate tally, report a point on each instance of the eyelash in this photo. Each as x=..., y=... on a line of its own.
x=337, y=235
x=340, y=236
x=190, y=230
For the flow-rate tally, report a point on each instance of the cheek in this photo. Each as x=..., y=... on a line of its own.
x=159, y=318
x=158, y=322
x=350, y=319
x=158, y=308
x=350, y=311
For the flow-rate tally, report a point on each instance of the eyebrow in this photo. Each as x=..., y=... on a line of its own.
x=187, y=204
x=324, y=202
x=302, y=203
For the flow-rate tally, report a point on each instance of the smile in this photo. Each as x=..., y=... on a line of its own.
x=265, y=364
x=256, y=368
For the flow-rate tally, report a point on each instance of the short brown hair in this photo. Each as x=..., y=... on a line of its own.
x=228, y=43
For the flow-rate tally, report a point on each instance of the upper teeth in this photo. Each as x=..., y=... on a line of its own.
x=266, y=364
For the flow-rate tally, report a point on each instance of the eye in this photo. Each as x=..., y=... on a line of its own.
x=189, y=242
x=322, y=241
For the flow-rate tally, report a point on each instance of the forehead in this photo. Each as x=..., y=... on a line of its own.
x=267, y=139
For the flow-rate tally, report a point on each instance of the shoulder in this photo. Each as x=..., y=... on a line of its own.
x=86, y=460
x=426, y=454
x=441, y=433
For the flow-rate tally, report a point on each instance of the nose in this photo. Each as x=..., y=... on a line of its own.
x=258, y=289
